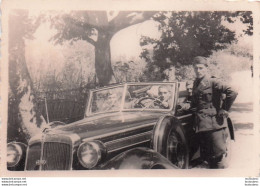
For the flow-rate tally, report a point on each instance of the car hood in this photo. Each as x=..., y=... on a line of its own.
x=93, y=126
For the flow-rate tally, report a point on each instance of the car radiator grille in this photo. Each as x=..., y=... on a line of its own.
x=33, y=155
x=55, y=156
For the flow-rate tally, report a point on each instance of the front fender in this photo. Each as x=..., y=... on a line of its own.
x=138, y=158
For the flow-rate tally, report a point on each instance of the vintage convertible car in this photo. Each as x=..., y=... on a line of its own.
x=126, y=126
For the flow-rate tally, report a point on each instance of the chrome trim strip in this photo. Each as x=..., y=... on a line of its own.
x=42, y=143
x=74, y=140
x=148, y=109
x=123, y=98
x=108, y=87
x=128, y=137
x=34, y=139
x=183, y=124
x=87, y=110
x=184, y=116
x=133, y=144
x=146, y=135
x=176, y=97
x=151, y=83
x=118, y=132
x=26, y=159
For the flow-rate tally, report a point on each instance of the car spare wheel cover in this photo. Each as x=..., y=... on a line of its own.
x=170, y=141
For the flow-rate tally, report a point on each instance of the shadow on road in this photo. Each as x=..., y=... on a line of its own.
x=242, y=107
x=242, y=115
x=243, y=126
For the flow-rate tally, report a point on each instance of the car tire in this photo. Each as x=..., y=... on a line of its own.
x=170, y=141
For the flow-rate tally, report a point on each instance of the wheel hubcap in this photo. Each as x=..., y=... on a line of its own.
x=175, y=150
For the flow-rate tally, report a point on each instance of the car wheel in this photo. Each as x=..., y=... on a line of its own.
x=176, y=150
x=172, y=143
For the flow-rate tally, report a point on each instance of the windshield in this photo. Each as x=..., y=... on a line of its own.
x=150, y=96
x=105, y=100
x=135, y=96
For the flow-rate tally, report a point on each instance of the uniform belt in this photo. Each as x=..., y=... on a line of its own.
x=207, y=114
x=205, y=106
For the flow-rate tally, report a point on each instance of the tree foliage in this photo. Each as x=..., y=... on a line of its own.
x=58, y=68
x=128, y=69
x=185, y=35
x=245, y=17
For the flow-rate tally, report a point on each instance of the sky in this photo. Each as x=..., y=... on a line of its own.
x=127, y=41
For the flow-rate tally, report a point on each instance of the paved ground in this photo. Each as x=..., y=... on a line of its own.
x=245, y=149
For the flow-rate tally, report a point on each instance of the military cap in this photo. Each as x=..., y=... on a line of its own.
x=200, y=60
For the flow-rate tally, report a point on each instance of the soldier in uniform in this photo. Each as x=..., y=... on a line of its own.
x=211, y=100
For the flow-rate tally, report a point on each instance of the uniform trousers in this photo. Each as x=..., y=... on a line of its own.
x=214, y=146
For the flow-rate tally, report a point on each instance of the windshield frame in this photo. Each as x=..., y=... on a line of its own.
x=124, y=86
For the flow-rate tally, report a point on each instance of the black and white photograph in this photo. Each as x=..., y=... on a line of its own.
x=117, y=89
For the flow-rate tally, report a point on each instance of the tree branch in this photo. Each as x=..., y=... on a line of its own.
x=74, y=29
x=88, y=39
x=127, y=18
x=96, y=19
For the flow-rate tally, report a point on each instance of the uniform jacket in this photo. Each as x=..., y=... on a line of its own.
x=207, y=99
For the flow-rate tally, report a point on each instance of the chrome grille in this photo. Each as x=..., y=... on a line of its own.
x=33, y=155
x=57, y=156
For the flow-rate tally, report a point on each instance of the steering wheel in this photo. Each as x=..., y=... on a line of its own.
x=154, y=102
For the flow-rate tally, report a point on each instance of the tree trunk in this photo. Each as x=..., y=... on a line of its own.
x=103, y=65
x=27, y=116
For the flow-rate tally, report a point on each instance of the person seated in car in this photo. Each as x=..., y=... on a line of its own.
x=130, y=101
x=164, y=97
x=112, y=102
x=186, y=103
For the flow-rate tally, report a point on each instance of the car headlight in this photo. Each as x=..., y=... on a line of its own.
x=90, y=153
x=14, y=153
